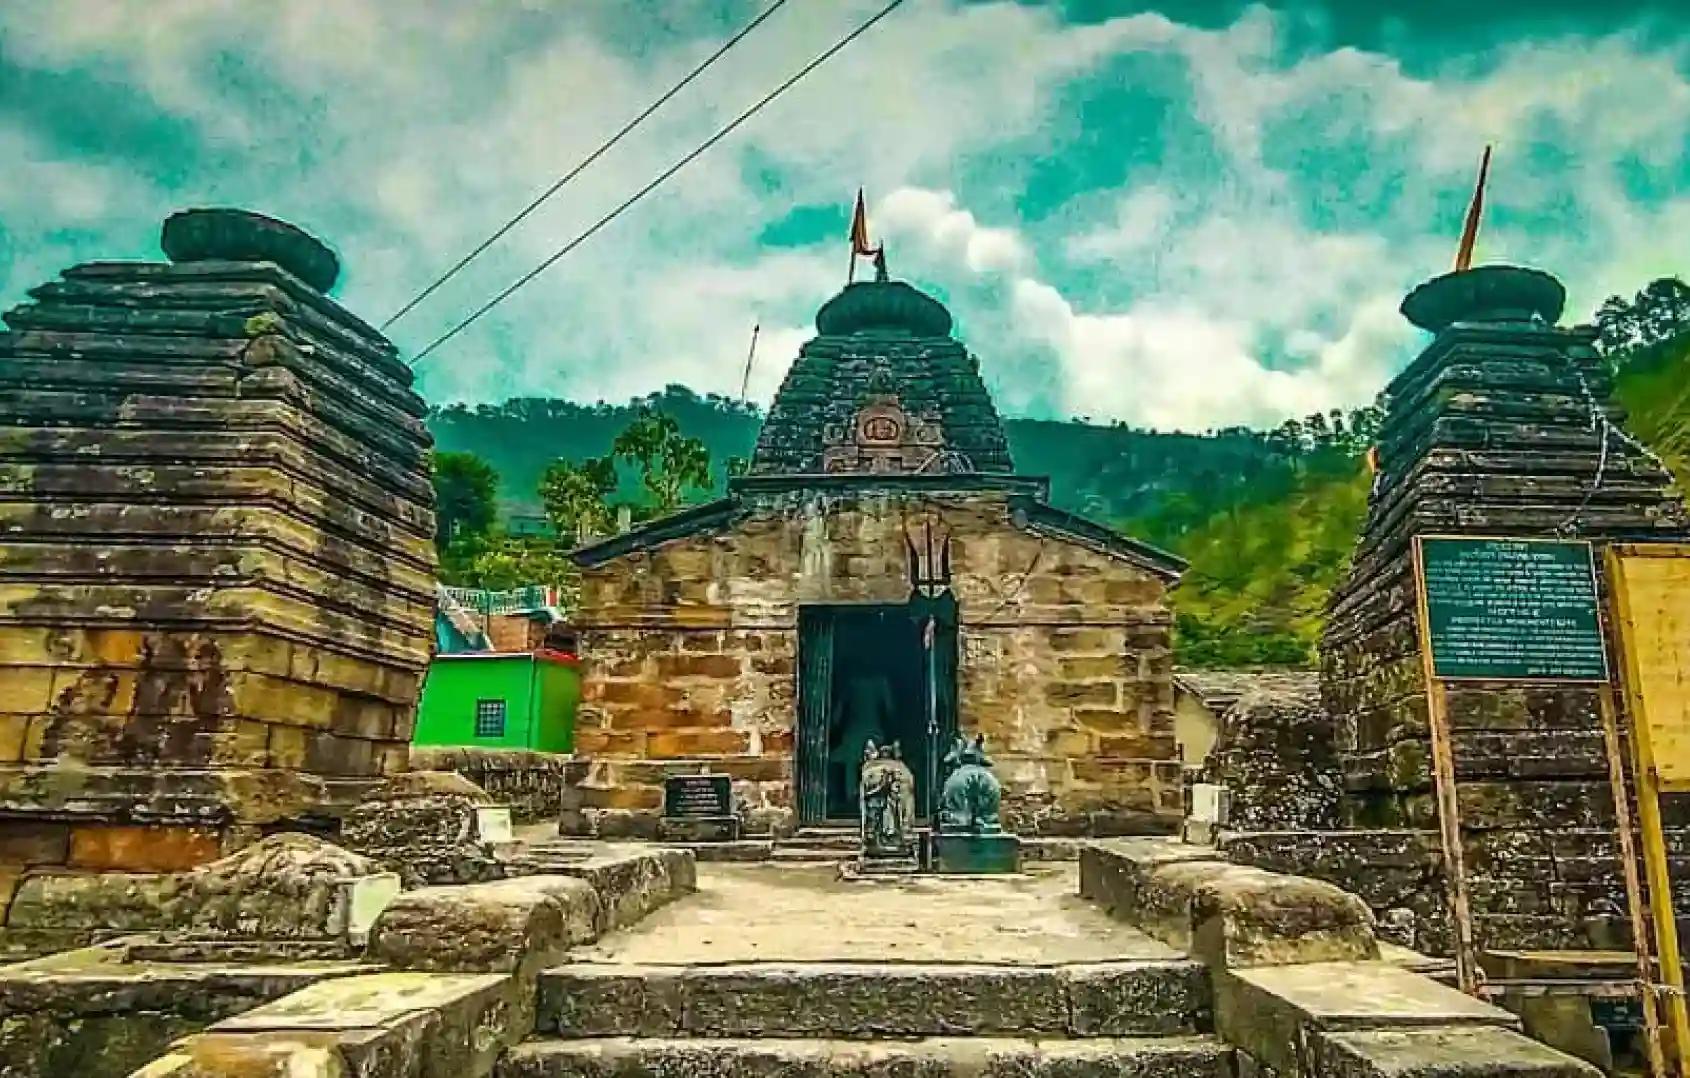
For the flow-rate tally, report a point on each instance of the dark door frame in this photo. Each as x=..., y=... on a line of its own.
x=813, y=720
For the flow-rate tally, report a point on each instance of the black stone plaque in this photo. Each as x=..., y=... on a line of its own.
x=1512, y=610
x=693, y=797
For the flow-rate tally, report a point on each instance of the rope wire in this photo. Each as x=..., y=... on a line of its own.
x=657, y=182
x=585, y=163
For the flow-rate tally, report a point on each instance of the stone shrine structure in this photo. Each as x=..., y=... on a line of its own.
x=732, y=636
x=216, y=565
x=1493, y=430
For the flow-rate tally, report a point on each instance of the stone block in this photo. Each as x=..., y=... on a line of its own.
x=115, y=848
x=27, y=842
x=399, y=1024
x=631, y=883
x=1227, y=915
x=262, y=1055
x=932, y=1057
x=508, y=926
x=1449, y=1052
x=1127, y=999
x=1274, y=1012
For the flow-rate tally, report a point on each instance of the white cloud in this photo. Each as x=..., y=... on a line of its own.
x=1189, y=295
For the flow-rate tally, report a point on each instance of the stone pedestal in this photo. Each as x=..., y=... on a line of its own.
x=976, y=854
x=218, y=569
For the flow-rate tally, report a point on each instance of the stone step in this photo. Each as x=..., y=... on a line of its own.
x=786, y=852
x=863, y=1000
x=977, y=1057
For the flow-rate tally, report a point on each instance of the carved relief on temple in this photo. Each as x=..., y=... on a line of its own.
x=884, y=439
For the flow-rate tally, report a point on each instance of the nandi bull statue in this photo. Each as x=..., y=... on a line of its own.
x=972, y=796
x=971, y=837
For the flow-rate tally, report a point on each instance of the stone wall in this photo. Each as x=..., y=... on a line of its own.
x=691, y=659
x=217, y=568
x=531, y=783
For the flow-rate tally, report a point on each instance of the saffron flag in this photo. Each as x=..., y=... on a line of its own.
x=859, y=228
x=1470, y=230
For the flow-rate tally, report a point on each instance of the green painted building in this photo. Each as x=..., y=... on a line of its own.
x=505, y=700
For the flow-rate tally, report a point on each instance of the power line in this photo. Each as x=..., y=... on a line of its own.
x=582, y=167
x=661, y=178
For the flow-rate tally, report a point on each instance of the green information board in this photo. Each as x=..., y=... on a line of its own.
x=1512, y=610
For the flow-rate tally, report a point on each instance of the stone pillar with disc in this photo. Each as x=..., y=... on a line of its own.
x=1503, y=426
x=216, y=559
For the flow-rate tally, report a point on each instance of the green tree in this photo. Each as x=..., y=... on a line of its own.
x=1659, y=312
x=577, y=497
x=513, y=562
x=464, y=502
x=670, y=463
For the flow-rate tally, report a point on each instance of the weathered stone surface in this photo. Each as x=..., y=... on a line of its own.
x=1457, y=1052
x=426, y=837
x=632, y=882
x=975, y=1057
x=229, y=235
x=519, y=925
x=1115, y=999
x=395, y=1025
x=1399, y=874
x=288, y=886
x=531, y=783
x=100, y=1012
x=1274, y=1012
x=1229, y=916
x=218, y=545
x=285, y=887
x=1276, y=756
x=287, y=1055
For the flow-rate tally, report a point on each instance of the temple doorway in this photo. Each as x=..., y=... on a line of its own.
x=864, y=675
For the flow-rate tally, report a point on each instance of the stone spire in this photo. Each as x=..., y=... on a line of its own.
x=1500, y=427
x=218, y=554
x=882, y=345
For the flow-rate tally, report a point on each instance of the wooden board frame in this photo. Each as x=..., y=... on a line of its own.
x=1646, y=777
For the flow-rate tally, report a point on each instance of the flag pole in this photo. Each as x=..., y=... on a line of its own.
x=1470, y=228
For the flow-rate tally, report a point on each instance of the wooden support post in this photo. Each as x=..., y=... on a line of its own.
x=1633, y=885
x=1443, y=778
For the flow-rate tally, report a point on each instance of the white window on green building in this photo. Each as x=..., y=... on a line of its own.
x=489, y=718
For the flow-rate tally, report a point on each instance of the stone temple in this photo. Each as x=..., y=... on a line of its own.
x=748, y=636
x=219, y=857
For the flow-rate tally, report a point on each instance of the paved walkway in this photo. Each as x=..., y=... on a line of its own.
x=805, y=913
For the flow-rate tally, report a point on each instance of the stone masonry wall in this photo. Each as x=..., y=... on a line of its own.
x=217, y=567
x=1490, y=432
x=691, y=661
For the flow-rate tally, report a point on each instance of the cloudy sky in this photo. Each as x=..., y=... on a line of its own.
x=1182, y=216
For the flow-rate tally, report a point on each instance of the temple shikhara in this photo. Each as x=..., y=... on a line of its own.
x=743, y=636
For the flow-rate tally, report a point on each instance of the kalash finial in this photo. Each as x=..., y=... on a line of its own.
x=880, y=262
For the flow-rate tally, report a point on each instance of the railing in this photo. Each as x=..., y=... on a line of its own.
x=515, y=601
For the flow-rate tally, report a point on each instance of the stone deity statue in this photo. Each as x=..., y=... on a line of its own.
x=970, y=799
x=864, y=704
x=887, y=799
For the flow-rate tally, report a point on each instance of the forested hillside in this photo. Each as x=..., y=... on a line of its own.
x=1266, y=518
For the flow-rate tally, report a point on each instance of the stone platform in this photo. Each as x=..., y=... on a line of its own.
x=805, y=913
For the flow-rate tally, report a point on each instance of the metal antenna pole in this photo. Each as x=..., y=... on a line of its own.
x=750, y=354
